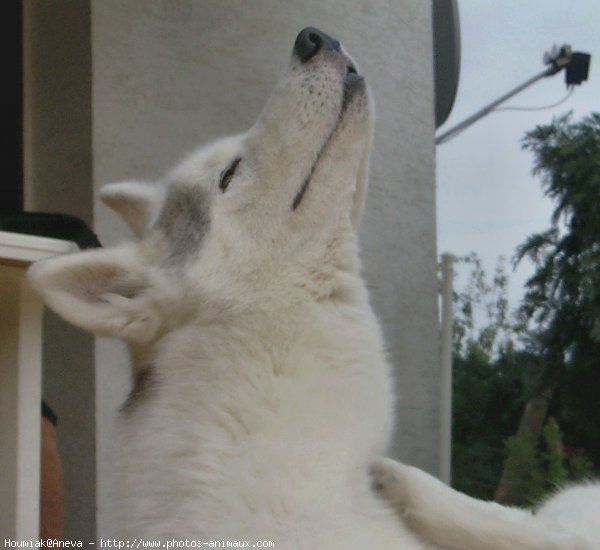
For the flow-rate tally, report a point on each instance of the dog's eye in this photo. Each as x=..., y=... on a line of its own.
x=227, y=174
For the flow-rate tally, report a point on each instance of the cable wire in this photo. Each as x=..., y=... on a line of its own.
x=509, y=108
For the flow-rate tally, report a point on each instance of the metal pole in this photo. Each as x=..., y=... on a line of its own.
x=445, y=442
x=487, y=109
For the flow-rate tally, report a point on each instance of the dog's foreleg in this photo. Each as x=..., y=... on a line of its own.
x=447, y=518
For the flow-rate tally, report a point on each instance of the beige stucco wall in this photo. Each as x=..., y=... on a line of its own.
x=168, y=75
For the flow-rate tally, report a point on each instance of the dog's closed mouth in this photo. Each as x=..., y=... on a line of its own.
x=352, y=83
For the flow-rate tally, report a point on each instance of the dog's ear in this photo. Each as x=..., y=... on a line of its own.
x=105, y=292
x=135, y=201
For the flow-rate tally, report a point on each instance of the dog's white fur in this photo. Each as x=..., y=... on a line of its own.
x=576, y=510
x=263, y=390
x=444, y=517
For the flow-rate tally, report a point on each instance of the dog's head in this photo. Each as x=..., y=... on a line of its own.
x=264, y=213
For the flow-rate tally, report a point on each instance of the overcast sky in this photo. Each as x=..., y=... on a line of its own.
x=487, y=199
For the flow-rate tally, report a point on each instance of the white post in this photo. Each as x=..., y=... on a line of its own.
x=445, y=449
x=21, y=383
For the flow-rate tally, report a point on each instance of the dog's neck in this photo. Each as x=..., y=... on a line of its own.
x=303, y=382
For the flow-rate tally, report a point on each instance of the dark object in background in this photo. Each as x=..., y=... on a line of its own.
x=48, y=413
x=57, y=226
x=446, y=57
x=578, y=68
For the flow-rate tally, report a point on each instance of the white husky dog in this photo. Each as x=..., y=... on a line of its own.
x=261, y=388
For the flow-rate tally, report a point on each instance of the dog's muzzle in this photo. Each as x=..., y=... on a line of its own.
x=310, y=42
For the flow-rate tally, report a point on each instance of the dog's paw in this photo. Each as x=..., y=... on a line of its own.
x=390, y=480
x=382, y=473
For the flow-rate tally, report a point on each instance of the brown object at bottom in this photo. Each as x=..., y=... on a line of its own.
x=52, y=487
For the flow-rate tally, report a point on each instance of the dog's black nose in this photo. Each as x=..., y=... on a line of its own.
x=310, y=41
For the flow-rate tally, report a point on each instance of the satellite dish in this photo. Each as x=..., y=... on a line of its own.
x=446, y=56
